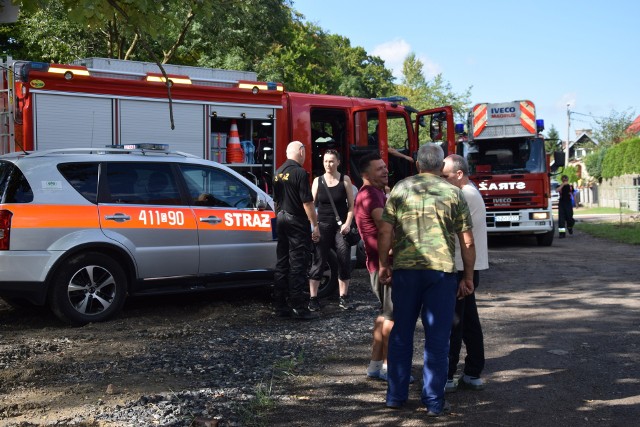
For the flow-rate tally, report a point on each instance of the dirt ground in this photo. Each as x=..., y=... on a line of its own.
x=562, y=338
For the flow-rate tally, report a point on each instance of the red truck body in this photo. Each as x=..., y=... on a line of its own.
x=98, y=102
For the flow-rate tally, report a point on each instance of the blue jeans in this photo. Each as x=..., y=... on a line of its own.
x=432, y=295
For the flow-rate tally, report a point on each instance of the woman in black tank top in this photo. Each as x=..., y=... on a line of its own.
x=340, y=189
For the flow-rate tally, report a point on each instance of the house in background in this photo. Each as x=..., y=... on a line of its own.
x=634, y=127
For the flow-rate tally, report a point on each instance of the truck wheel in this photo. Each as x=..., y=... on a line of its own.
x=329, y=281
x=88, y=288
x=545, y=239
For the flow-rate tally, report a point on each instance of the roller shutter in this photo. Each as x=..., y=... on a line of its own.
x=70, y=121
x=148, y=121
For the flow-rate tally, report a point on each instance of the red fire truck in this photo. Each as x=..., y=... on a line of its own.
x=100, y=102
x=508, y=164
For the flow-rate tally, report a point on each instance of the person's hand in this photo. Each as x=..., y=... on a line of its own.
x=384, y=275
x=315, y=235
x=344, y=229
x=465, y=288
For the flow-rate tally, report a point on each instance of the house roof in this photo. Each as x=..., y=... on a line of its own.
x=634, y=128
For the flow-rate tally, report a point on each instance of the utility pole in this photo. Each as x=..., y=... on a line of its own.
x=566, y=151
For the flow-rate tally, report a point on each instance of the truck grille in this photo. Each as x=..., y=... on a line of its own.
x=509, y=202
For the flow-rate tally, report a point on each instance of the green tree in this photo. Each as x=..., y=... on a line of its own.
x=611, y=130
x=552, y=141
x=424, y=94
x=593, y=163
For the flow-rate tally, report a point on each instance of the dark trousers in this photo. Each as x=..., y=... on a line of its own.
x=330, y=237
x=293, y=252
x=466, y=328
x=565, y=214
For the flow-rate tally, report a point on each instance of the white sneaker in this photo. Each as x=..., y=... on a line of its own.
x=473, y=383
x=451, y=387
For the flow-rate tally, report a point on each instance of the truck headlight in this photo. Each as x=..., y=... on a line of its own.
x=540, y=215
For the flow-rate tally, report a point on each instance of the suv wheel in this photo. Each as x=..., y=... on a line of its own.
x=88, y=288
x=329, y=281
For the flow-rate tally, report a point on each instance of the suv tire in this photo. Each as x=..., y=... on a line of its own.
x=329, y=282
x=88, y=288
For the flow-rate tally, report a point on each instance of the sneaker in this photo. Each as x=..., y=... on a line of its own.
x=314, y=304
x=344, y=303
x=382, y=375
x=451, y=386
x=446, y=408
x=473, y=383
x=303, y=314
x=562, y=236
x=570, y=230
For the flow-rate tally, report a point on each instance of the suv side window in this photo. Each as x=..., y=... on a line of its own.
x=144, y=183
x=213, y=187
x=14, y=187
x=83, y=177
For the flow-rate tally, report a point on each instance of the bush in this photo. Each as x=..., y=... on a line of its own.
x=621, y=159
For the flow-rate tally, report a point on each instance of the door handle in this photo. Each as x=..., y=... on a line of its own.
x=118, y=217
x=211, y=220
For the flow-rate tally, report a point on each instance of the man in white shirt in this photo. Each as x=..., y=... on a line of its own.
x=466, y=324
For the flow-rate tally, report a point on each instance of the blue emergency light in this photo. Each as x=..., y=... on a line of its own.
x=459, y=129
x=540, y=125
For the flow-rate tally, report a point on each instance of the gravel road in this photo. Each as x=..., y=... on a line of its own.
x=561, y=337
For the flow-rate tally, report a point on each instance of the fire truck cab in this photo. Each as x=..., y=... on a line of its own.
x=508, y=164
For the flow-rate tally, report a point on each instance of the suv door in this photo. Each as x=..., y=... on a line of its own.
x=234, y=235
x=141, y=207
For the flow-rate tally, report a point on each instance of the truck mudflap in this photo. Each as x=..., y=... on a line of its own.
x=529, y=221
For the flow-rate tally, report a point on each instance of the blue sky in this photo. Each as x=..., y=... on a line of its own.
x=582, y=53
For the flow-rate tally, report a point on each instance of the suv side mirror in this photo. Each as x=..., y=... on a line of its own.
x=262, y=204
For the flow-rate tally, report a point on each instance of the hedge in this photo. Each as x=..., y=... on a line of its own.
x=616, y=160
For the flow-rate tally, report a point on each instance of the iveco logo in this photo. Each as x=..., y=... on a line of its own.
x=502, y=201
x=484, y=186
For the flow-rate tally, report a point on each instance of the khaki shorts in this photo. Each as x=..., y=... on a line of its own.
x=383, y=293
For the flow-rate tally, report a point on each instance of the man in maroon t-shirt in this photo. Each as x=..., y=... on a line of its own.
x=368, y=214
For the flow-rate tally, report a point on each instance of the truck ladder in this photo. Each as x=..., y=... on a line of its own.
x=7, y=135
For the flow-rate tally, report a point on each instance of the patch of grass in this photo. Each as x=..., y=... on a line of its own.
x=600, y=211
x=626, y=232
x=287, y=366
x=252, y=413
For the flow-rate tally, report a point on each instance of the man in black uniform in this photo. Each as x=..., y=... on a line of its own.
x=297, y=227
x=565, y=208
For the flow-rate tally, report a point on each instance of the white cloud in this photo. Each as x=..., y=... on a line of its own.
x=567, y=98
x=394, y=53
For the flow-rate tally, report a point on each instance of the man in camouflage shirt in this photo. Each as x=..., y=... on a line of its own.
x=422, y=217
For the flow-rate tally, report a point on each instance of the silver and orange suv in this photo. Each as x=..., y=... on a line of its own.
x=80, y=229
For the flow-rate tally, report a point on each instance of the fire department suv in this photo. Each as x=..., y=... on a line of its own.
x=82, y=228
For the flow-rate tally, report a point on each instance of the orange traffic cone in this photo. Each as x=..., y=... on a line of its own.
x=235, y=154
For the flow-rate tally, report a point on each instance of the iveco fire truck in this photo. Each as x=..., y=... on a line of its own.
x=508, y=164
x=99, y=102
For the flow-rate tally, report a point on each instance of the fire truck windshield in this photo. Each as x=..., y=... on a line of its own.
x=509, y=155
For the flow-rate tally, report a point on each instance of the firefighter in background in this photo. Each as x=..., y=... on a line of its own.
x=565, y=207
x=297, y=227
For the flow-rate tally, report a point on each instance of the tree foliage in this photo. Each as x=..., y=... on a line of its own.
x=424, y=94
x=622, y=159
x=594, y=161
x=266, y=36
x=611, y=130
x=552, y=141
